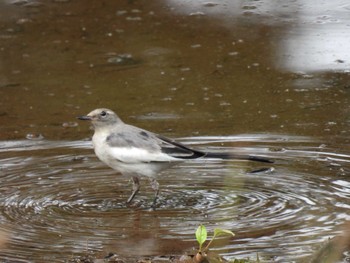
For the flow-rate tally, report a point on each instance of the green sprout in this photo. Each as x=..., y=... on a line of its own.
x=201, y=236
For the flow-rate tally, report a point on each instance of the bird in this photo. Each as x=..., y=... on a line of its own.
x=137, y=153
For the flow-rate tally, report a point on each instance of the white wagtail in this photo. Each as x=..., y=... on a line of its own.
x=136, y=152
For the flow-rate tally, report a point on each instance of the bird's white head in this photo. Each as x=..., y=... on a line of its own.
x=101, y=118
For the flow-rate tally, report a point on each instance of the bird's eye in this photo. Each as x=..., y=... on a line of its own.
x=103, y=114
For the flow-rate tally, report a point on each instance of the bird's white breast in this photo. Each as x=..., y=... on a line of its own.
x=100, y=146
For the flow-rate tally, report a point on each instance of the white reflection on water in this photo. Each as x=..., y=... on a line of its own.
x=314, y=36
x=317, y=48
x=320, y=40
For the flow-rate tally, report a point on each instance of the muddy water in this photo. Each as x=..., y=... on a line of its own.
x=243, y=76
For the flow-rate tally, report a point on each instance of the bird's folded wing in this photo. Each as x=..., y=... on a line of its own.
x=132, y=145
x=177, y=150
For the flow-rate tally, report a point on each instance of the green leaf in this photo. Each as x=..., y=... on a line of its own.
x=221, y=232
x=201, y=235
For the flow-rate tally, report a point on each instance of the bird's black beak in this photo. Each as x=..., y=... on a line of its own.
x=85, y=118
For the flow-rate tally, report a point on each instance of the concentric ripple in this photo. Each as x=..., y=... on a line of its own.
x=57, y=200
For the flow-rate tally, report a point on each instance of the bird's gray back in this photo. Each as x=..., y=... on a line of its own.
x=130, y=136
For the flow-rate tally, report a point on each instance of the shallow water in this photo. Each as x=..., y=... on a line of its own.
x=58, y=200
x=276, y=76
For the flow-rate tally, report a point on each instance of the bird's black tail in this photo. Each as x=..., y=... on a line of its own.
x=231, y=156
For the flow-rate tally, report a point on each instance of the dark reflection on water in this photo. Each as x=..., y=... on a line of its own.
x=57, y=200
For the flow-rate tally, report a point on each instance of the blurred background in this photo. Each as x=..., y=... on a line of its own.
x=177, y=67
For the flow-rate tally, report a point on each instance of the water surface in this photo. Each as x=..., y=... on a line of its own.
x=58, y=199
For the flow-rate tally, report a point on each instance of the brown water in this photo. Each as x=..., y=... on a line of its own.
x=246, y=76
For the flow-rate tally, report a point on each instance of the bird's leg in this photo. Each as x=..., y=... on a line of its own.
x=135, y=188
x=155, y=187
